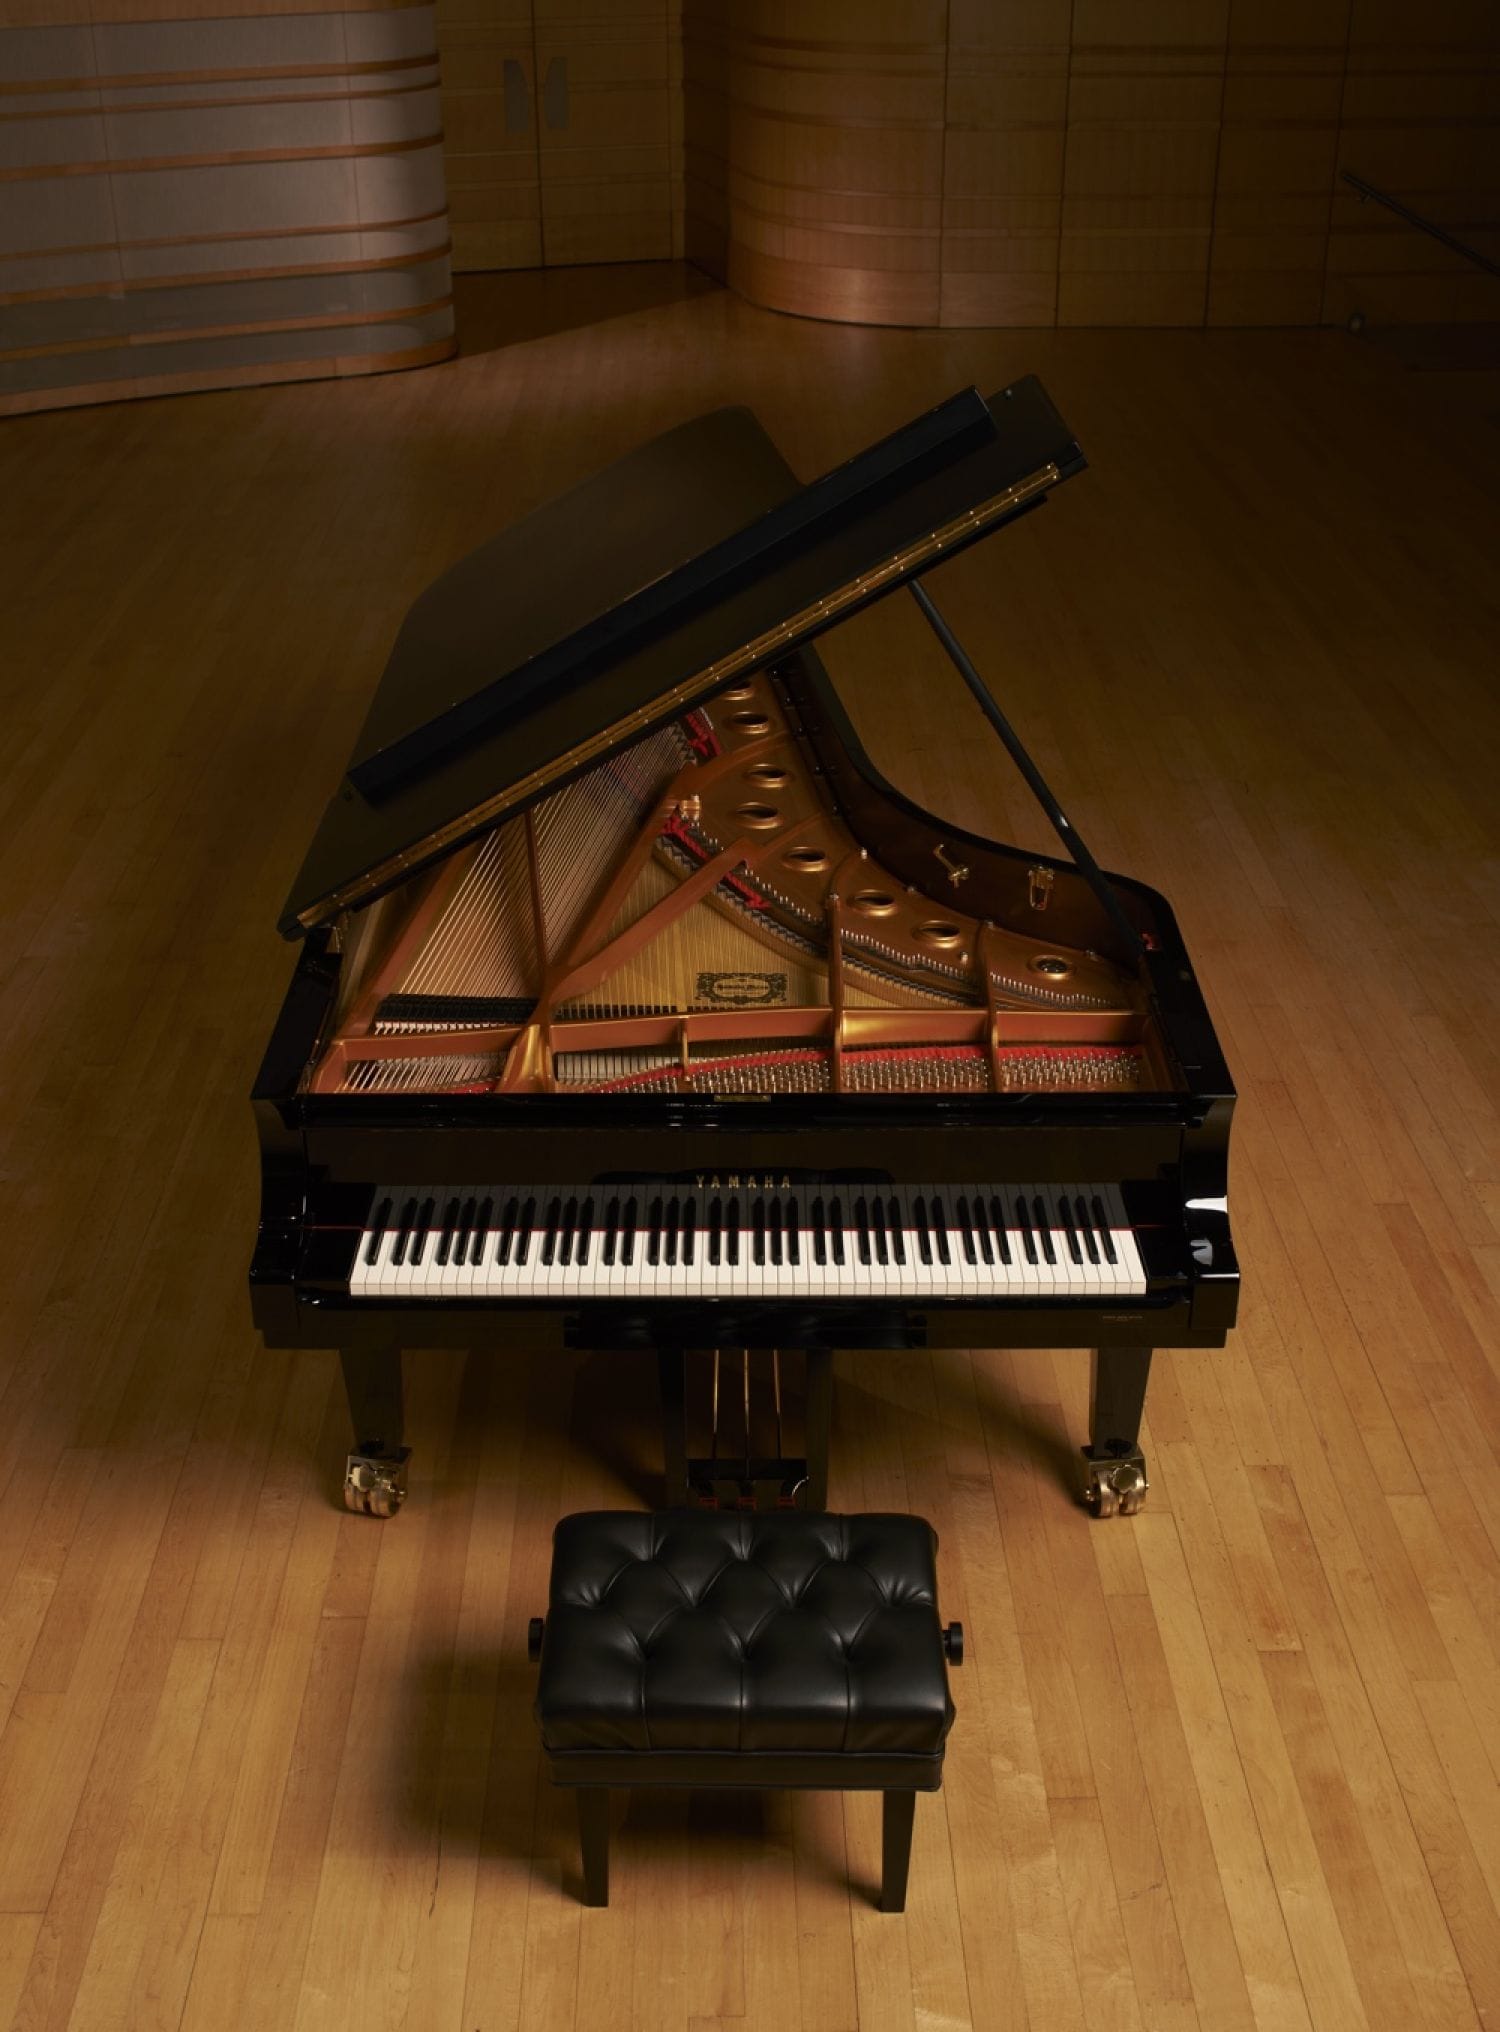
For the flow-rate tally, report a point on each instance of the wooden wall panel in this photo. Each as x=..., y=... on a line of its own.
x=1144, y=100
x=1030, y=162
x=564, y=133
x=605, y=79
x=1003, y=153
x=705, y=134
x=489, y=133
x=1421, y=118
x=194, y=203
x=1278, y=150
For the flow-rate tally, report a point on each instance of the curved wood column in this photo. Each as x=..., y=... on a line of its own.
x=210, y=202
x=829, y=122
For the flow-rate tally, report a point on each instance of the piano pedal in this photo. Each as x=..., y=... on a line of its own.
x=1115, y=1484
x=375, y=1483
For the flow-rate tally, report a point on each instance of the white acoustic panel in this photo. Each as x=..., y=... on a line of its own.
x=192, y=203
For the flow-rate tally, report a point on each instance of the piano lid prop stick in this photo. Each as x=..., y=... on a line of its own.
x=1088, y=867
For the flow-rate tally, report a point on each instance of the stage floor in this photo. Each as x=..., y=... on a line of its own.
x=1232, y=1764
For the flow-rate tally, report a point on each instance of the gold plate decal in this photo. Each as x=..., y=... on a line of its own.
x=748, y=657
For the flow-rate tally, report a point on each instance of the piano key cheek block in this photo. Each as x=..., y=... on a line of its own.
x=634, y=1008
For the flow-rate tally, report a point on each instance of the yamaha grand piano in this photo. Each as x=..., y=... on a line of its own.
x=634, y=1007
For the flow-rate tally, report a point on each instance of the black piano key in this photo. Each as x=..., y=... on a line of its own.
x=715, y=1232
x=924, y=1233
x=1070, y=1230
x=654, y=1218
x=483, y=1215
x=510, y=1213
x=820, y=1231
x=551, y=1222
x=966, y=1231
x=566, y=1233
x=997, y=1225
x=732, y=1231
x=630, y=1215
x=420, y=1233
x=758, y=1228
x=836, y=1213
x=689, y=1229
x=463, y=1229
x=793, y=1233
x=862, y=1228
x=524, y=1227
x=377, y=1230
x=1028, y=1236
x=403, y=1233
x=1043, y=1227
x=445, y=1234
x=585, y=1233
x=940, y=1229
x=611, y=1231
x=773, y=1231
x=882, y=1232
x=981, y=1222
x=1101, y=1223
x=898, y=1238
x=669, y=1238
x=1086, y=1229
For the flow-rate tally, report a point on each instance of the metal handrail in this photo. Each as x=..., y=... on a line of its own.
x=1368, y=190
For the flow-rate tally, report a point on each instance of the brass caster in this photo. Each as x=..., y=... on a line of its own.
x=1115, y=1484
x=375, y=1484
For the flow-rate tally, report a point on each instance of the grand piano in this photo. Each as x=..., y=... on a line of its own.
x=635, y=1009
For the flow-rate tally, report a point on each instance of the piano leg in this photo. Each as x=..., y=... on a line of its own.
x=375, y=1473
x=1114, y=1466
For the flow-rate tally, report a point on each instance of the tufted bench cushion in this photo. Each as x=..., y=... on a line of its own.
x=705, y=1647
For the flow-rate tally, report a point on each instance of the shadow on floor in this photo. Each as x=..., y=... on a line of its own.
x=510, y=307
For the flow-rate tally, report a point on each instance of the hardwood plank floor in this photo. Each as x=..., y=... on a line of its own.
x=1232, y=1765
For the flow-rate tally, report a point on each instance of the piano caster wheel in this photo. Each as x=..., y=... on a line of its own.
x=375, y=1483
x=1116, y=1484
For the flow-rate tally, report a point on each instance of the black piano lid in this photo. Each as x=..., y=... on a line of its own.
x=637, y=594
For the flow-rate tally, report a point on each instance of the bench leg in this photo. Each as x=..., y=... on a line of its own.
x=593, y=1840
x=898, y=1812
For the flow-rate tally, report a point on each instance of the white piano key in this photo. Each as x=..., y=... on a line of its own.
x=362, y=1275
x=473, y=1269
x=1125, y=1242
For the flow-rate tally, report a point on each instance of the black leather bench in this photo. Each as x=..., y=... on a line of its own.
x=743, y=1648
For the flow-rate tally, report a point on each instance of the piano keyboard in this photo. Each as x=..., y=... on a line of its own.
x=636, y=1242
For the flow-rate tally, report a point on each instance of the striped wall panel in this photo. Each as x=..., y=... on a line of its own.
x=834, y=123
x=209, y=202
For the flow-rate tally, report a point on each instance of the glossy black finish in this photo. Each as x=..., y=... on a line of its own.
x=715, y=482
x=461, y=712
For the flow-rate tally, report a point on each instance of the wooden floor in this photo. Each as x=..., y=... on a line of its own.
x=1230, y=1765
